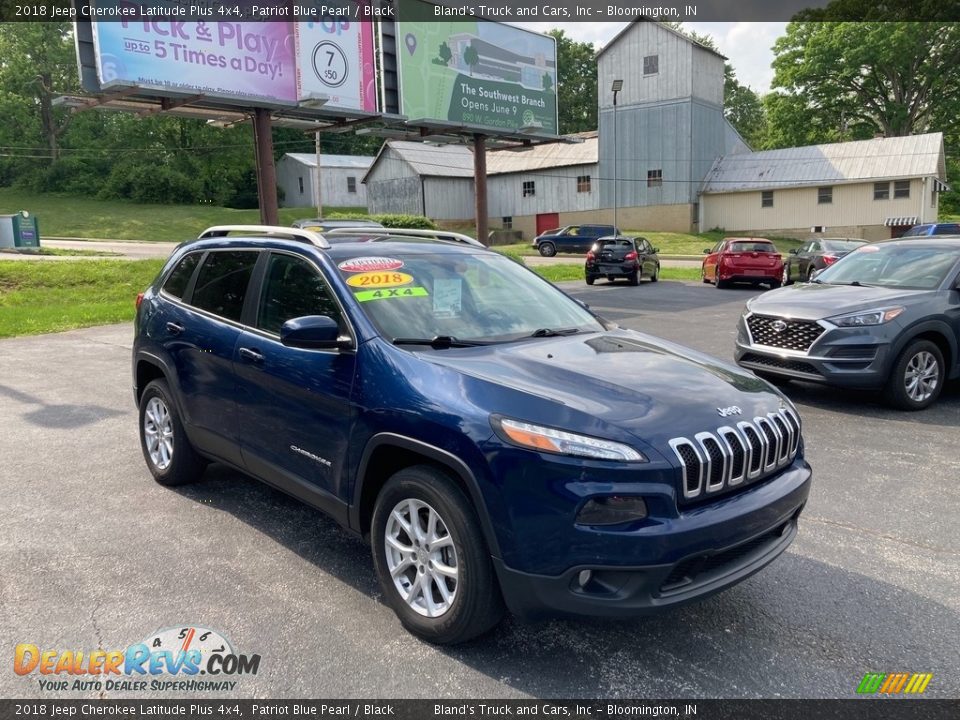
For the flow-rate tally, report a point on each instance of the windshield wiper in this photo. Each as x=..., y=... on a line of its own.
x=438, y=342
x=554, y=332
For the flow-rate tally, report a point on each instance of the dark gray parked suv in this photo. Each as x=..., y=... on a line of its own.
x=885, y=316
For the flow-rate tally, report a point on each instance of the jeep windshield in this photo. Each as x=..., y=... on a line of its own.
x=457, y=299
x=893, y=266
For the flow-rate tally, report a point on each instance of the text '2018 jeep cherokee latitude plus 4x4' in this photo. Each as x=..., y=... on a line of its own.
x=497, y=442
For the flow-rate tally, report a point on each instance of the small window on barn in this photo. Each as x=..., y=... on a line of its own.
x=901, y=189
x=508, y=222
x=825, y=196
x=300, y=183
x=651, y=64
x=654, y=178
x=583, y=183
x=529, y=188
x=881, y=191
x=351, y=184
x=766, y=198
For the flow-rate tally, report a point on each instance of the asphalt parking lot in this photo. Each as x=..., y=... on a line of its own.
x=94, y=554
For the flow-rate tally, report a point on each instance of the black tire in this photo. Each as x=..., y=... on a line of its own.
x=656, y=274
x=477, y=604
x=896, y=393
x=785, y=280
x=184, y=464
x=547, y=249
x=634, y=277
x=722, y=284
x=774, y=284
x=810, y=273
x=590, y=279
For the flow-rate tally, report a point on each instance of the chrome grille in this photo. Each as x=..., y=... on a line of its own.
x=783, y=333
x=711, y=462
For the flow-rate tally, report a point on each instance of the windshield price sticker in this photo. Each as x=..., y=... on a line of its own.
x=370, y=264
x=379, y=279
x=367, y=295
x=447, y=296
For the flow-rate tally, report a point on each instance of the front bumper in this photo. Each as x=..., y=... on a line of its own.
x=702, y=551
x=845, y=357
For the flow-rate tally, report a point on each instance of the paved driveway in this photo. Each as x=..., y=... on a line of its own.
x=94, y=554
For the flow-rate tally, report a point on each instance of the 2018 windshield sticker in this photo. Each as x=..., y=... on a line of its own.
x=379, y=279
x=370, y=264
x=387, y=293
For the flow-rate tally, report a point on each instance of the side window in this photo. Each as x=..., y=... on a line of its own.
x=177, y=281
x=719, y=247
x=222, y=283
x=293, y=288
x=814, y=247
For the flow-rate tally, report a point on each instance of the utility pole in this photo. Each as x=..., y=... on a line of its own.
x=617, y=87
x=480, y=185
x=266, y=170
x=316, y=190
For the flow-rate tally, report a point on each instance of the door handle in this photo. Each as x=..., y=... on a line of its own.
x=174, y=329
x=251, y=355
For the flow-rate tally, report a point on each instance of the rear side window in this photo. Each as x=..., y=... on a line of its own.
x=293, y=288
x=178, y=280
x=222, y=283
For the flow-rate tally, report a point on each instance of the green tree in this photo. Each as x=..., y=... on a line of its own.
x=37, y=62
x=858, y=78
x=471, y=57
x=576, y=84
x=445, y=54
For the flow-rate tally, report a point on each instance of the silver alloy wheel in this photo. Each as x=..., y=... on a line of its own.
x=921, y=376
x=785, y=277
x=158, y=433
x=421, y=558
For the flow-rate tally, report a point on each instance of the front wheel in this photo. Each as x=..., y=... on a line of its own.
x=656, y=274
x=431, y=559
x=169, y=454
x=590, y=279
x=917, y=377
x=785, y=278
x=547, y=249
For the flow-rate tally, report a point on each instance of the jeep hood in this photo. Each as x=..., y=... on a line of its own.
x=649, y=387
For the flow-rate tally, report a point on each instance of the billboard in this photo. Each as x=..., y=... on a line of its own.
x=336, y=58
x=475, y=72
x=249, y=63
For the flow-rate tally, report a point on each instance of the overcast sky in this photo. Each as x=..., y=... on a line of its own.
x=747, y=44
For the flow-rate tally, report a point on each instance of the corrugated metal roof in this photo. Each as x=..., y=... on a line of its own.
x=457, y=160
x=836, y=163
x=333, y=161
x=435, y=160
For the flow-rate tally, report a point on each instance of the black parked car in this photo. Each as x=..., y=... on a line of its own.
x=628, y=257
x=571, y=239
x=814, y=256
x=886, y=316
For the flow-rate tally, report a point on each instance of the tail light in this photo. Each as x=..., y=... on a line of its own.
x=630, y=256
x=830, y=259
x=590, y=255
x=139, y=300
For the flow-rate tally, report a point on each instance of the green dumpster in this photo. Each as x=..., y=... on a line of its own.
x=19, y=231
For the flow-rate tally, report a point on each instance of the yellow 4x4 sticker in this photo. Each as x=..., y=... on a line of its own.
x=379, y=279
x=386, y=293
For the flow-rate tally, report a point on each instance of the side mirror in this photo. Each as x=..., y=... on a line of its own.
x=311, y=332
x=794, y=251
x=656, y=250
x=706, y=251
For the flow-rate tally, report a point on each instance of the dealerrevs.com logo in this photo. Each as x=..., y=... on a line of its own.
x=180, y=659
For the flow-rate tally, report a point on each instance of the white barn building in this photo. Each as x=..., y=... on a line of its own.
x=340, y=177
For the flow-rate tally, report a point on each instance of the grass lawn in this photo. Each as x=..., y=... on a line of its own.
x=564, y=272
x=82, y=217
x=41, y=297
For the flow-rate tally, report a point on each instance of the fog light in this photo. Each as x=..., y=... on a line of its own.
x=612, y=510
x=584, y=577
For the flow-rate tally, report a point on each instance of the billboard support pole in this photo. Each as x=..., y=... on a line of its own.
x=266, y=170
x=316, y=179
x=480, y=185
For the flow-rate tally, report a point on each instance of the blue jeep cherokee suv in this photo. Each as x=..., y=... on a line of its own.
x=497, y=443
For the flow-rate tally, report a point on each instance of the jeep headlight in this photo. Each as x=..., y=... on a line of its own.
x=561, y=442
x=866, y=318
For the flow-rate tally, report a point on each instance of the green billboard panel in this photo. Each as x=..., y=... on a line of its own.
x=475, y=73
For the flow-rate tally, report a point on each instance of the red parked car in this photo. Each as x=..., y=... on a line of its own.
x=747, y=260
